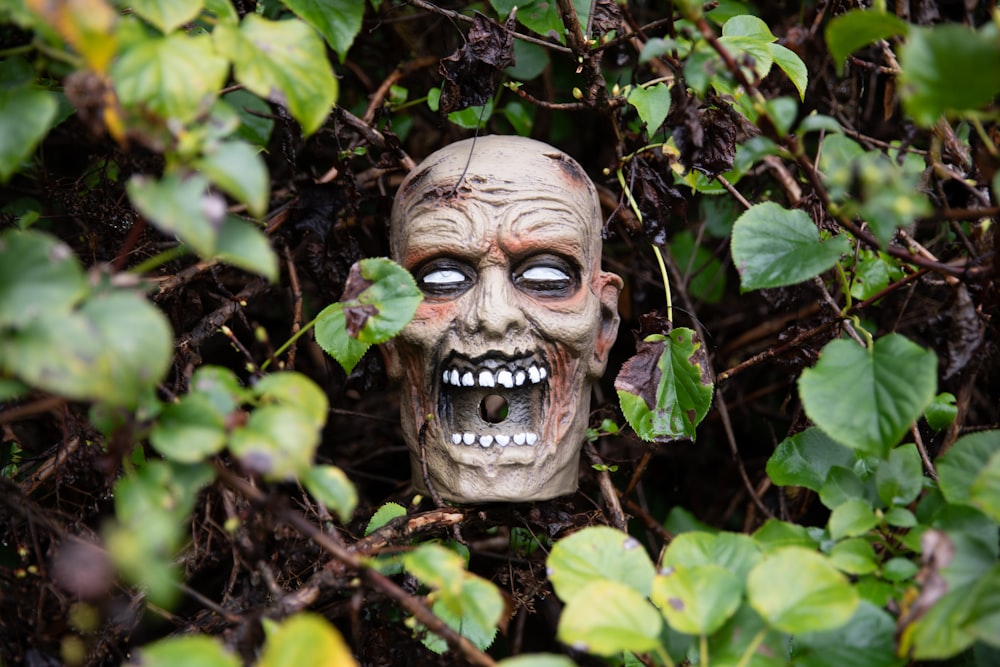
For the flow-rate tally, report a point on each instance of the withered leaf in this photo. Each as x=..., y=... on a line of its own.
x=659, y=201
x=356, y=316
x=706, y=139
x=607, y=17
x=472, y=73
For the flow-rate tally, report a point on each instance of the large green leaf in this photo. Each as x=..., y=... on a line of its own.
x=729, y=645
x=735, y=552
x=607, y=617
x=868, y=398
x=542, y=16
x=191, y=651
x=304, y=640
x=26, y=114
x=180, y=205
x=595, y=554
x=983, y=620
x=237, y=168
x=864, y=641
x=698, y=599
x=805, y=458
x=295, y=391
x=38, y=275
x=666, y=389
x=969, y=472
x=167, y=15
x=339, y=21
x=115, y=348
x=283, y=61
x=848, y=32
x=178, y=76
x=797, y=590
x=949, y=68
x=773, y=246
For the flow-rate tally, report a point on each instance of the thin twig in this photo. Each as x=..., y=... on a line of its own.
x=928, y=464
x=616, y=515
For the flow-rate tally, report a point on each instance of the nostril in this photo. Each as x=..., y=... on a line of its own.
x=494, y=409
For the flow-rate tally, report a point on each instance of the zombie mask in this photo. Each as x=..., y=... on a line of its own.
x=503, y=236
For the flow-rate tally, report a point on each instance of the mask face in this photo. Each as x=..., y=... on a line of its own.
x=516, y=324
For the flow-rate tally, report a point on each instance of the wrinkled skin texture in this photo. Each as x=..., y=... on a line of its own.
x=497, y=365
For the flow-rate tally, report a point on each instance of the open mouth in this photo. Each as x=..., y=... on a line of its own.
x=493, y=401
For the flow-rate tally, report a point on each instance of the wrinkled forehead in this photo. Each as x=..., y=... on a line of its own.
x=504, y=175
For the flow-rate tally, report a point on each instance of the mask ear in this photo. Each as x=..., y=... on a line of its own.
x=610, y=286
x=390, y=355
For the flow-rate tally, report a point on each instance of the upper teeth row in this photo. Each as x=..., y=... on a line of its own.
x=502, y=377
x=488, y=440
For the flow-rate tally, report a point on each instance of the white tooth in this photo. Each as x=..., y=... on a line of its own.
x=456, y=438
x=502, y=440
x=505, y=378
x=519, y=378
x=486, y=379
x=533, y=374
x=485, y=440
x=542, y=372
x=518, y=438
x=530, y=438
x=455, y=380
x=468, y=380
x=468, y=438
x=444, y=378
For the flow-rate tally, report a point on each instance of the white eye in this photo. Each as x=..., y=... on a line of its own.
x=443, y=277
x=544, y=274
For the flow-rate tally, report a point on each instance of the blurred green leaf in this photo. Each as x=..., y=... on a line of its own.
x=237, y=168
x=38, y=275
x=607, y=617
x=864, y=641
x=595, y=554
x=735, y=552
x=329, y=485
x=697, y=599
x=941, y=413
x=900, y=478
x=857, y=28
x=180, y=205
x=246, y=246
x=852, y=518
x=190, y=430
x=652, y=104
x=854, y=556
x=805, y=458
x=284, y=62
x=295, y=391
x=339, y=21
x=277, y=442
x=304, y=640
x=167, y=15
x=474, y=614
x=26, y=115
x=190, y=651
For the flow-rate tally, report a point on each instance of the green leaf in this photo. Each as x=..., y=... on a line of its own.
x=177, y=76
x=797, y=590
x=864, y=641
x=284, y=62
x=542, y=16
x=278, y=442
x=182, y=206
x=699, y=599
x=773, y=246
x=652, y=103
x=948, y=69
x=519, y=117
x=899, y=569
x=38, y=275
x=939, y=634
x=530, y=60
x=941, y=413
x=962, y=463
x=608, y=617
x=746, y=25
x=191, y=651
x=339, y=21
x=384, y=515
x=900, y=478
x=854, y=556
x=867, y=399
x=115, y=348
x=732, y=551
x=437, y=567
x=237, y=168
x=537, y=660
x=382, y=299
x=900, y=517
x=190, y=430
x=805, y=458
x=729, y=645
x=329, y=485
x=792, y=66
x=983, y=620
x=595, y=554
x=843, y=484
x=474, y=614
x=26, y=115
x=857, y=28
x=253, y=127
x=246, y=246
x=852, y=518
x=304, y=640
x=666, y=389
x=984, y=493
x=167, y=15
x=775, y=534
x=295, y=391
x=219, y=386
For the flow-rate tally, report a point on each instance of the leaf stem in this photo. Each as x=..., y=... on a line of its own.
x=703, y=650
x=656, y=250
x=752, y=648
x=288, y=343
x=156, y=261
x=664, y=656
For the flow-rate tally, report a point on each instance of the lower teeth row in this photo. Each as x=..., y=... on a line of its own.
x=489, y=440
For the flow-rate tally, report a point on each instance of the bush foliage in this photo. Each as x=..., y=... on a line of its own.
x=200, y=458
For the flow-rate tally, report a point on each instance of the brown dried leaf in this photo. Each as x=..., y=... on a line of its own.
x=472, y=74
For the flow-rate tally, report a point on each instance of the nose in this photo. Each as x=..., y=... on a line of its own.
x=497, y=312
